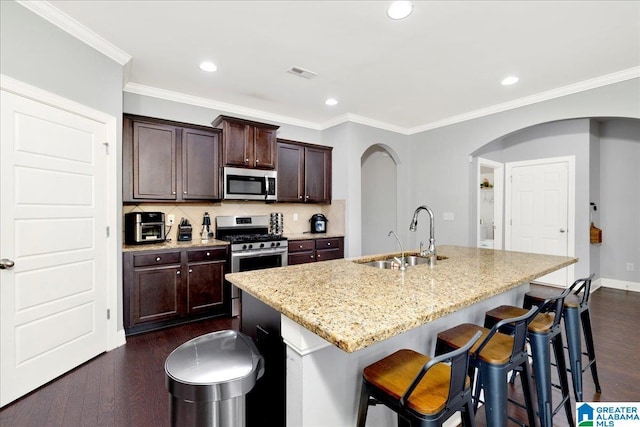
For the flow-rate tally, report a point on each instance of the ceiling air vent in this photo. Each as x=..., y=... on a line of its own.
x=301, y=72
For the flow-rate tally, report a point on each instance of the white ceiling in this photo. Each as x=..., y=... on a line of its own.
x=442, y=64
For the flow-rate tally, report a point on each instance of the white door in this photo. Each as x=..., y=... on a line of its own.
x=539, y=211
x=53, y=228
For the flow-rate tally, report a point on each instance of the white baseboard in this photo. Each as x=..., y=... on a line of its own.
x=619, y=284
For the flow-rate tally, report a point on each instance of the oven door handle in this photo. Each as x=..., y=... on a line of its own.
x=258, y=254
x=266, y=187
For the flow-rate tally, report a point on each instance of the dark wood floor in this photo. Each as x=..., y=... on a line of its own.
x=125, y=387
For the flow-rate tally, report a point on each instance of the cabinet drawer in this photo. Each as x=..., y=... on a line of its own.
x=301, y=258
x=328, y=243
x=327, y=254
x=208, y=254
x=144, y=259
x=301, y=245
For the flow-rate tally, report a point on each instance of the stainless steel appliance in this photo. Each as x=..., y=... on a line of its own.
x=318, y=223
x=252, y=247
x=250, y=184
x=143, y=227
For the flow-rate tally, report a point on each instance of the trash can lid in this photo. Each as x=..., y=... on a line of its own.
x=218, y=357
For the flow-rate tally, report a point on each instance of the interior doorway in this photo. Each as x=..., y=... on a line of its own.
x=490, y=204
x=379, y=196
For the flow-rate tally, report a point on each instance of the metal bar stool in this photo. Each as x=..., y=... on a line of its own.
x=543, y=332
x=576, y=311
x=423, y=391
x=493, y=358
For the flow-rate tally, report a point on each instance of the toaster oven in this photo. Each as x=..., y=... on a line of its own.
x=143, y=227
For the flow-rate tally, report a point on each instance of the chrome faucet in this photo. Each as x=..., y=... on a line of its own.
x=430, y=252
x=400, y=261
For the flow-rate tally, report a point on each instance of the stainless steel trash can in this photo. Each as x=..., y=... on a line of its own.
x=208, y=378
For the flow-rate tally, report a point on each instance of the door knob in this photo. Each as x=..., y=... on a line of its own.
x=562, y=230
x=6, y=264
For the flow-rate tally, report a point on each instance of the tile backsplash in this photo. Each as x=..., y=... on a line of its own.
x=335, y=213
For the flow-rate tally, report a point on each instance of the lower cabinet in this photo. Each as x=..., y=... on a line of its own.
x=313, y=250
x=162, y=288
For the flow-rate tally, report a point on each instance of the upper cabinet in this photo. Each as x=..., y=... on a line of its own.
x=304, y=172
x=165, y=160
x=247, y=144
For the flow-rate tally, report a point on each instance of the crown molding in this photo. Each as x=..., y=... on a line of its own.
x=216, y=105
x=47, y=11
x=620, y=76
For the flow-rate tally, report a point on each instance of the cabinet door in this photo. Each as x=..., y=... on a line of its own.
x=155, y=294
x=290, y=172
x=236, y=144
x=154, y=161
x=317, y=175
x=301, y=257
x=204, y=287
x=264, y=148
x=200, y=165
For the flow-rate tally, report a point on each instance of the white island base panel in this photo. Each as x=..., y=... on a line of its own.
x=323, y=381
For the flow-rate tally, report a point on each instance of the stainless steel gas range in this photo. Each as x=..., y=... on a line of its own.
x=252, y=247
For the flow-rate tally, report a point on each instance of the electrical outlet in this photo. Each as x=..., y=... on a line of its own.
x=171, y=219
x=630, y=266
x=448, y=216
x=295, y=216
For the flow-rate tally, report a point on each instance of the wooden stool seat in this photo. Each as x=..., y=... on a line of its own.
x=497, y=351
x=539, y=293
x=395, y=373
x=541, y=323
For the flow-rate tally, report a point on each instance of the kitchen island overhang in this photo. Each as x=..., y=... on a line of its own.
x=352, y=305
x=339, y=316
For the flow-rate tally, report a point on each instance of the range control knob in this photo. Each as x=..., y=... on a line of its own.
x=244, y=247
x=262, y=245
x=277, y=243
x=250, y=246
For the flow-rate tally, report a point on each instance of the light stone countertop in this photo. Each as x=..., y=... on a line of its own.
x=312, y=236
x=173, y=244
x=354, y=306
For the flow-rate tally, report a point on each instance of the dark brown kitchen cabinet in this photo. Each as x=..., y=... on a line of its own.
x=205, y=279
x=163, y=288
x=247, y=144
x=164, y=160
x=304, y=172
x=315, y=250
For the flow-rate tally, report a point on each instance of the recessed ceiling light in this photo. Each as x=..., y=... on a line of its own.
x=509, y=80
x=399, y=9
x=331, y=101
x=208, y=66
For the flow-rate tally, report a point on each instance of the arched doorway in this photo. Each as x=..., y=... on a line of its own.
x=379, y=186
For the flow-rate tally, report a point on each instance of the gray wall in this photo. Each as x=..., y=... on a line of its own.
x=619, y=207
x=35, y=51
x=439, y=164
x=594, y=194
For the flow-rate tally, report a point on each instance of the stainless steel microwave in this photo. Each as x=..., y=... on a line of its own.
x=250, y=184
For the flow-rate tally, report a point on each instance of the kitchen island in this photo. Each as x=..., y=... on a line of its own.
x=339, y=316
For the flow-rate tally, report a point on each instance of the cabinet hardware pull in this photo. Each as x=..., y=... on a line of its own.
x=257, y=161
x=299, y=197
x=190, y=271
x=246, y=160
x=157, y=259
x=173, y=192
x=208, y=253
x=178, y=272
x=306, y=197
x=328, y=243
x=184, y=192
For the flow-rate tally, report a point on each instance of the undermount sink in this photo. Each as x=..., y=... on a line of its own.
x=392, y=264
